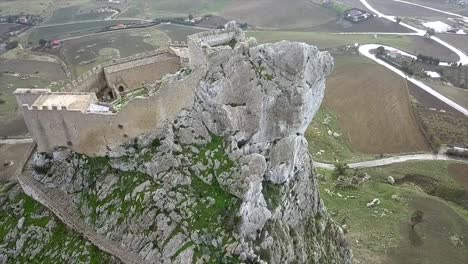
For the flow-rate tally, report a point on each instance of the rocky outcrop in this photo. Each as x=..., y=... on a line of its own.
x=230, y=179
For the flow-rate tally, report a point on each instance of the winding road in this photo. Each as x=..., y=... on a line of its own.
x=391, y=160
x=365, y=50
x=463, y=57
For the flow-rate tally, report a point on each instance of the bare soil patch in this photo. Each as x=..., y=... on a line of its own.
x=279, y=14
x=459, y=172
x=14, y=153
x=373, y=107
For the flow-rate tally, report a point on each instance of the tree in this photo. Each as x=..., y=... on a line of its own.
x=430, y=32
x=398, y=20
x=416, y=218
x=380, y=50
x=42, y=42
x=340, y=169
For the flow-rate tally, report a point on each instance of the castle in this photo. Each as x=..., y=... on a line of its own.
x=121, y=100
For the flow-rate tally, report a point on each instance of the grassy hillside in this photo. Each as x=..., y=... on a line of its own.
x=381, y=234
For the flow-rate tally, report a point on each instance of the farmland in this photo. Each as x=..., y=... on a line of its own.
x=376, y=118
x=403, y=10
x=411, y=44
x=276, y=14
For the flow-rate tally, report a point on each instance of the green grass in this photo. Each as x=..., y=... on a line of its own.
x=58, y=248
x=444, y=186
x=225, y=204
x=120, y=103
x=127, y=182
x=379, y=232
x=272, y=194
x=375, y=228
x=333, y=148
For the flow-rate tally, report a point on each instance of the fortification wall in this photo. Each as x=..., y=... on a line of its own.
x=28, y=96
x=131, y=75
x=199, y=42
x=92, y=81
x=93, y=133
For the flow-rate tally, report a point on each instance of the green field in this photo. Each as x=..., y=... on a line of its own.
x=381, y=234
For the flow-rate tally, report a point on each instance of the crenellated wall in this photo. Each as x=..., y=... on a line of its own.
x=134, y=74
x=199, y=43
x=74, y=119
x=93, y=133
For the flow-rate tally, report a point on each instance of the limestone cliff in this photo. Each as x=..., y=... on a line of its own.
x=230, y=180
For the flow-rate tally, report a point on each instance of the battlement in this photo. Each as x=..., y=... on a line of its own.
x=46, y=100
x=75, y=118
x=199, y=43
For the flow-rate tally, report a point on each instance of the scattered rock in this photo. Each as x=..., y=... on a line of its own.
x=374, y=203
x=456, y=241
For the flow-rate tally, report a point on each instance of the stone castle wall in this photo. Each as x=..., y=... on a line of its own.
x=93, y=133
x=95, y=79
x=199, y=43
x=134, y=74
x=92, y=81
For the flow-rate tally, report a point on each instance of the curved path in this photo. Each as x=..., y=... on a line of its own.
x=391, y=160
x=365, y=50
x=14, y=141
x=463, y=57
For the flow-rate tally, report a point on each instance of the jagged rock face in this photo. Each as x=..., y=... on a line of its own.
x=231, y=178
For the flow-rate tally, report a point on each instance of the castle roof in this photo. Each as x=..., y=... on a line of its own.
x=73, y=102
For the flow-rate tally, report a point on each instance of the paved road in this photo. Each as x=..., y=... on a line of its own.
x=463, y=57
x=379, y=33
x=392, y=160
x=365, y=50
x=15, y=141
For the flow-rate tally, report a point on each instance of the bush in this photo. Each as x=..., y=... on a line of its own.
x=12, y=45
x=2, y=101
